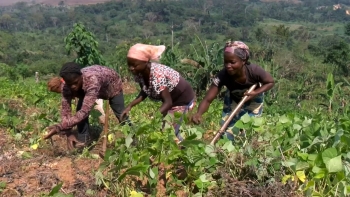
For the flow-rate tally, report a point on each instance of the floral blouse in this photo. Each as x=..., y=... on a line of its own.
x=161, y=76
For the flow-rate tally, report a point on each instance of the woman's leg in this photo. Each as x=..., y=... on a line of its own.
x=117, y=105
x=177, y=123
x=99, y=106
x=83, y=126
x=253, y=108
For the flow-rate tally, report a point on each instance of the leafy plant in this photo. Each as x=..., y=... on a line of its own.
x=84, y=44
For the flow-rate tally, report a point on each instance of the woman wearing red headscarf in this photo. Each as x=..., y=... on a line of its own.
x=158, y=82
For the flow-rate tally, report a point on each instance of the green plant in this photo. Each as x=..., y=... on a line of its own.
x=84, y=44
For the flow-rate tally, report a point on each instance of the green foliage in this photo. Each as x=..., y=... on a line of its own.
x=338, y=54
x=207, y=61
x=347, y=29
x=83, y=42
x=24, y=71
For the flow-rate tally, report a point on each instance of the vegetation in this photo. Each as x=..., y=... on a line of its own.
x=299, y=147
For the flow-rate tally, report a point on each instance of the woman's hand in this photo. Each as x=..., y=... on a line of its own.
x=197, y=118
x=125, y=113
x=251, y=94
x=53, y=130
x=72, y=141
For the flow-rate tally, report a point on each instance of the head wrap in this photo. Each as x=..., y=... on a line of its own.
x=238, y=48
x=54, y=84
x=145, y=52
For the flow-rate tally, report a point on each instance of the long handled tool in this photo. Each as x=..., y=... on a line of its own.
x=105, y=131
x=233, y=113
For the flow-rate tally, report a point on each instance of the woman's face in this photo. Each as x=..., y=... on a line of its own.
x=75, y=84
x=233, y=64
x=136, y=66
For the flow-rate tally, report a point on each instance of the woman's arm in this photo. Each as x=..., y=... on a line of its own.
x=167, y=101
x=142, y=96
x=209, y=97
x=267, y=83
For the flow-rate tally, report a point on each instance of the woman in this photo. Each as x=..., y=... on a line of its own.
x=56, y=84
x=238, y=75
x=87, y=84
x=159, y=82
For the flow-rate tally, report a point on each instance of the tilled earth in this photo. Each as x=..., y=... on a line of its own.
x=29, y=172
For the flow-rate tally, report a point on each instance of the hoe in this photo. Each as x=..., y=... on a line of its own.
x=233, y=113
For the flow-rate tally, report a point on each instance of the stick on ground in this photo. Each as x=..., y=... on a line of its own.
x=105, y=131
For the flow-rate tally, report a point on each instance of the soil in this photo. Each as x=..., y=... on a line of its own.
x=29, y=172
x=45, y=168
x=249, y=188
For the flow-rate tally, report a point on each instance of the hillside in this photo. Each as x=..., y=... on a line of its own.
x=54, y=2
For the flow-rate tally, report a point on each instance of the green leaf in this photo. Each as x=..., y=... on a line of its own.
x=283, y=119
x=290, y=162
x=296, y=127
x=304, y=156
x=309, y=184
x=307, y=122
x=55, y=189
x=258, y=121
x=334, y=164
x=128, y=140
x=230, y=147
x=151, y=173
x=187, y=142
x=302, y=165
x=331, y=160
x=2, y=185
x=319, y=172
x=245, y=118
x=135, y=170
x=209, y=149
x=328, y=154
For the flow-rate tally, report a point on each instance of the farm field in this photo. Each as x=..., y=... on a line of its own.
x=282, y=154
x=298, y=147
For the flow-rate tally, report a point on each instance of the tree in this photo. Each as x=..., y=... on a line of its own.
x=23, y=70
x=85, y=45
x=347, y=29
x=338, y=54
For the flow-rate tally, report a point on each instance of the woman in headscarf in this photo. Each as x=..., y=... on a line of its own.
x=238, y=75
x=159, y=82
x=87, y=84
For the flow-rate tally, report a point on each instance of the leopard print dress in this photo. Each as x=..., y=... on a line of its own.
x=161, y=77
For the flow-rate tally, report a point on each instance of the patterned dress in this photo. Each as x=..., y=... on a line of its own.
x=99, y=82
x=162, y=77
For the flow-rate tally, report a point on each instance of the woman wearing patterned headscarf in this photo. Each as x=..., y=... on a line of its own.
x=159, y=82
x=238, y=75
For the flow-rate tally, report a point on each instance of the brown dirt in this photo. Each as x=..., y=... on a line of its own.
x=250, y=188
x=209, y=136
x=46, y=168
x=129, y=87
